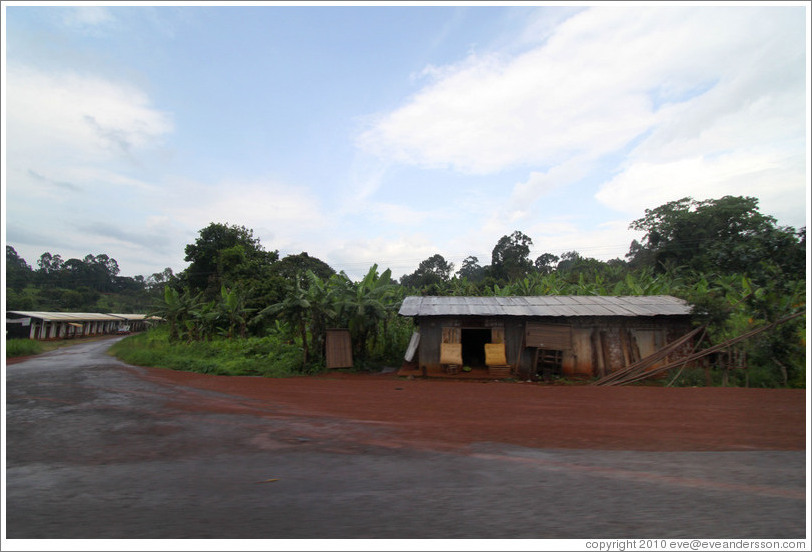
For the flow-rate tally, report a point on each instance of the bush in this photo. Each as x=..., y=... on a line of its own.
x=254, y=356
x=22, y=347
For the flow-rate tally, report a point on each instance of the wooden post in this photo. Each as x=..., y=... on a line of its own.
x=535, y=363
x=624, y=346
x=607, y=363
x=635, y=347
x=597, y=357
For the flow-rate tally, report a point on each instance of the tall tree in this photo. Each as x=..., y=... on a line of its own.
x=471, y=270
x=545, y=263
x=98, y=272
x=430, y=273
x=49, y=264
x=226, y=255
x=158, y=279
x=18, y=273
x=297, y=266
x=727, y=234
x=510, y=257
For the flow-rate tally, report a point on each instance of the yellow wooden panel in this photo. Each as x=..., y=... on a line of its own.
x=451, y=353
x=495, y=354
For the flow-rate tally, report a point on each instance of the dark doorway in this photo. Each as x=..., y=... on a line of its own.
x=473, y=346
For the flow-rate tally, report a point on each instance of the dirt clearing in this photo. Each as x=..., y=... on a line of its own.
x=442, y=414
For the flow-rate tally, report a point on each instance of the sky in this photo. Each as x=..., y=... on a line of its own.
x=384, y=134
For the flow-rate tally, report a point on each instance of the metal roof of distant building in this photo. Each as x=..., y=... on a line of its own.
x=132, y=316
x=546, y=305
x=71, y=316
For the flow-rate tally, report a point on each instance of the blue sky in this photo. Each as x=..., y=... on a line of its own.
x=385, y=134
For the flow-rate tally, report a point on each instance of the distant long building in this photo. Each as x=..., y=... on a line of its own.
x=64, y=325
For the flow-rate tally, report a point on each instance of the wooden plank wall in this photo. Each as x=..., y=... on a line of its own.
x=338, y=347
x=591, y=347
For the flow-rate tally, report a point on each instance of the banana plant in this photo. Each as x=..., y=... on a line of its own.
x=234, y=312
x=295, y=310
x=366, y=305
x=177, y=309
x=322, y=297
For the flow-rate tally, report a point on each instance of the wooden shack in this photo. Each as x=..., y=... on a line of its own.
x=543, y=336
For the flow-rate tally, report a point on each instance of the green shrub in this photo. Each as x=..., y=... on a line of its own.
x=254, y=356
x=22, y=347
x=689, y=377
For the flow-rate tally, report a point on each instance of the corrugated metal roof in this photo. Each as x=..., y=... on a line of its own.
x=132, y=317
x=74, y=316
x=546, y=305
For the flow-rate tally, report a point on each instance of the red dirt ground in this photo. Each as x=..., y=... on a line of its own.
x=17, y=360
x=439, y=414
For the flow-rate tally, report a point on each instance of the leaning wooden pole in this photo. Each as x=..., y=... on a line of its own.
x=644, y=363
x=709, y=350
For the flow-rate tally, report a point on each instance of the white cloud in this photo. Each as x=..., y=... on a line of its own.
x=541, y=183
x=282, y=216
x=365, y=176
x=87, y=16
x=554, y=233
x=493, y=114
x=770, y=177
x=720, y=84
x=490, y=112
x=78, y=118
x=71, y=140
x=394, y=214
x=744, y=136
x=609, y=240
x=401, y=254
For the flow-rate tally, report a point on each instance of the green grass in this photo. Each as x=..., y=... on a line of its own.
x=254, y=356
x=28, y=347
x=23, y=347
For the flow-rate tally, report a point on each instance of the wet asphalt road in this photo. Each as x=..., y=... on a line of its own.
x=96, y=451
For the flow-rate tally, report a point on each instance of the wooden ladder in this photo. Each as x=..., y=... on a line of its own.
x=547, y=362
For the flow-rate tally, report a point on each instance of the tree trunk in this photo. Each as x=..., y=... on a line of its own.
x=784, y=375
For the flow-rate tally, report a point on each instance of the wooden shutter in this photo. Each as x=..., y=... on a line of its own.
x=452, y=335
x=548, y=336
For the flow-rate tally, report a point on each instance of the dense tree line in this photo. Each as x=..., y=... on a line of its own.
x=735, y=265
x=713, y=237
x=91, y=284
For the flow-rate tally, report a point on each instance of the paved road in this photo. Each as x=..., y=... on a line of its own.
x=94, y=450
